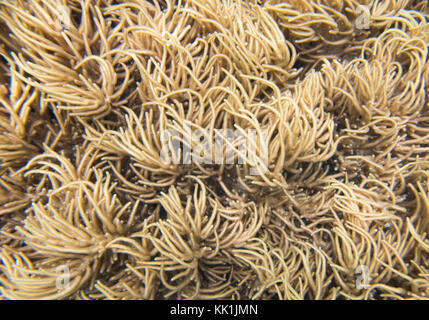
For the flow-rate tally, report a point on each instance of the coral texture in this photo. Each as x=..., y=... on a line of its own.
x=331, y=96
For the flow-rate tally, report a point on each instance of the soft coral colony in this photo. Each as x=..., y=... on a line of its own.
x=88, y=88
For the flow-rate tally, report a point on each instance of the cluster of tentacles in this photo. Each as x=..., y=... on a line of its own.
x=90, y=89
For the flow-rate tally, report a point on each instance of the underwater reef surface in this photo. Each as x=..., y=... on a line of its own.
x=214, y=149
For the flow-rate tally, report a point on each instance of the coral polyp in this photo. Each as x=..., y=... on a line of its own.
x=214, y=149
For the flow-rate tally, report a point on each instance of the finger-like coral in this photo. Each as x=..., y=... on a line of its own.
x=206, y=149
